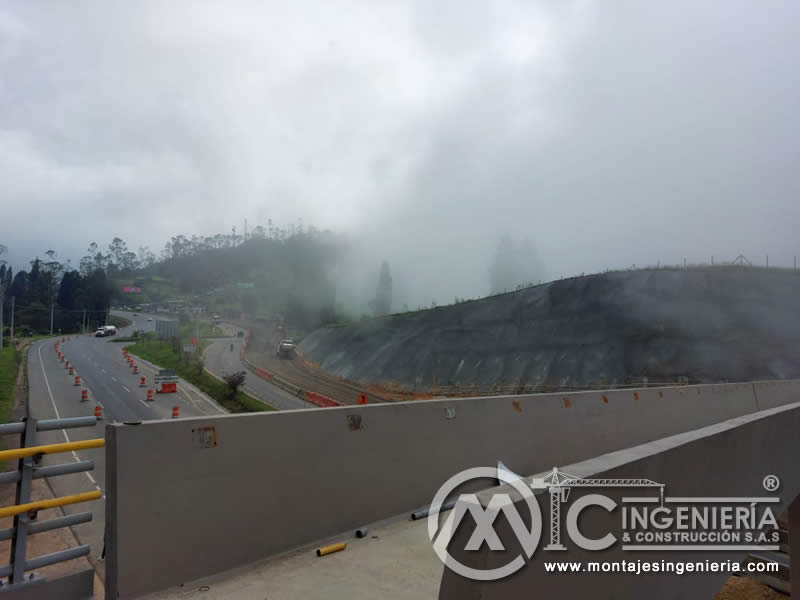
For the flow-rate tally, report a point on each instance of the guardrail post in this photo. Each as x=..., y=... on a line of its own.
x=20, y=538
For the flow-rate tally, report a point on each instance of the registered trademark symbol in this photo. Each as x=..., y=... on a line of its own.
x=771, y=483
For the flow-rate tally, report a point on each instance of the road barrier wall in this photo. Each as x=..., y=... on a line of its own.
x=191, y=497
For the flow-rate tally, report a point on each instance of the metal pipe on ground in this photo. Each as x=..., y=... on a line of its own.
x=424, y=512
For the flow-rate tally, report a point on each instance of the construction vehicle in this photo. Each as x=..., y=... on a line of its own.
x=286, y=349
x=105, y=330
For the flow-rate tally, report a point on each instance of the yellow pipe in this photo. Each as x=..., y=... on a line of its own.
x=331, y=549
x=18, y=509
x=51, y=449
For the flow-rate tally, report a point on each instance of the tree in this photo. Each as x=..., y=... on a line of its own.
x=116, y=250
x=382, y=305
x=234, y=382
x=514, y=266
x=68, y=291
x=19, y=285
x=146, y=257
x=503, y=272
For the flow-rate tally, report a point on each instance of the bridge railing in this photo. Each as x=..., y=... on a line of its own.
x=25, y=511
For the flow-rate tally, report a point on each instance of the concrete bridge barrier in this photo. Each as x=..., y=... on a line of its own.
x=191, y=497
x=726, y=460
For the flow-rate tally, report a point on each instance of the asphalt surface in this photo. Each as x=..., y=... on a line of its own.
x=221, y=361
x=112, y=386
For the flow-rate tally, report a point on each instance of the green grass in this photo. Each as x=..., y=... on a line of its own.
x=9, y=366
x=161, y=353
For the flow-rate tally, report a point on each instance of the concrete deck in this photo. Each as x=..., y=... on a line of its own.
x=394, y=561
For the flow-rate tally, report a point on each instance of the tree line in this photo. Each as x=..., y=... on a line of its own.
x=287, y=267
x=73, y=299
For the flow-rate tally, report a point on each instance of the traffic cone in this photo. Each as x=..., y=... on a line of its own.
x=150, y=395
x=66, y=365
x=175, y=412
x=98, y=412
x=135, y=370
x=143, y=382
x=84, y=395
x=77, y=379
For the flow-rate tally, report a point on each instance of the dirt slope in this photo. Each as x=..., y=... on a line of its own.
x=712, y=324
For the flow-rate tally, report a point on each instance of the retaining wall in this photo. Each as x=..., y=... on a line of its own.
x=179, y=508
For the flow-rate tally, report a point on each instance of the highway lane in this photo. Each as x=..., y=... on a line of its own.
x=221, y=361
x=111, y=385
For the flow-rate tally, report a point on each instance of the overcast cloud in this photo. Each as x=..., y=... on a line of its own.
x=607, y=133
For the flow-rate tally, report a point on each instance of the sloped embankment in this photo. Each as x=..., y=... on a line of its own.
x=714, y=324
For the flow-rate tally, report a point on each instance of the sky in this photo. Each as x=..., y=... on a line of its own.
x=604, y=134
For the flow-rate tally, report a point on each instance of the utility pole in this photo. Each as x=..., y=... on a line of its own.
x=83, y=322
x=2, y=300
x=768, y=261
x=12, y=318
x=51, y=319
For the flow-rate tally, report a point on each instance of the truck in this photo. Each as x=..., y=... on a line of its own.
x=105, y=330
x=286, y=348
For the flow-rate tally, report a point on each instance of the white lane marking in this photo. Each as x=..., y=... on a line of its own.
x=58, y=415
x=113, y=378
x=143, y=402
x=102, y=369
x=124, y=388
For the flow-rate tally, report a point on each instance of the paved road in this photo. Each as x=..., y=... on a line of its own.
x=111, y=385
x=221, y=361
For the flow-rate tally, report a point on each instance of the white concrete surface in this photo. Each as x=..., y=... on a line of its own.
x=394, y=561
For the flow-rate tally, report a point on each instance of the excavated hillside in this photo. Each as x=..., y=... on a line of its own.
x=666, y=325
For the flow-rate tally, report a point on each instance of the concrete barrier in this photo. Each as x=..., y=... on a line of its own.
x=725, y=460
x=320, y=400
x=275, y=481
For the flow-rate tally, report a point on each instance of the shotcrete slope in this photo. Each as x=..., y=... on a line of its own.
x=714, y=324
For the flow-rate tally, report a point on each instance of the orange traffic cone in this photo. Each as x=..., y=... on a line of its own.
x=135, y=370
x=77, y=379
x=175, y=412
x=98, y=411
x=150, y=395
x=143, y=382
x=71, y=371
x=84, y=395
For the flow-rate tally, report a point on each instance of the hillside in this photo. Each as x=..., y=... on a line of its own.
x=261, y=276
x=710, y=324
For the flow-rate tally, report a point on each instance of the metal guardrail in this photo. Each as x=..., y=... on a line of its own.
x=25, y=511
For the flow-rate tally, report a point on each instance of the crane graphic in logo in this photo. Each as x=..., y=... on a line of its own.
x=558, y=484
